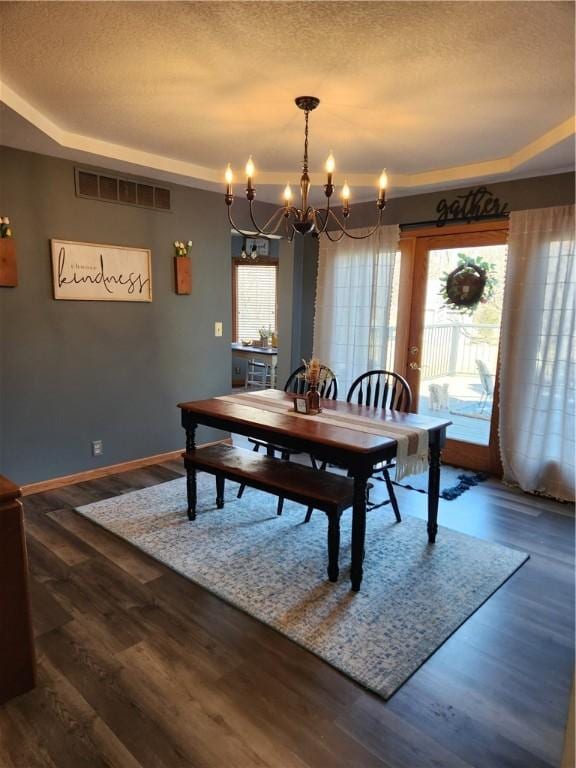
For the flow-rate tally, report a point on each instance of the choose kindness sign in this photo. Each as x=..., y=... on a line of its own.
x=90, y=272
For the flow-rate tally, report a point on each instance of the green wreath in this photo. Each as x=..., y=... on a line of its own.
x=470, y=284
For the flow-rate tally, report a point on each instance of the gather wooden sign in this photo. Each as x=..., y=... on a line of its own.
x=477, y=204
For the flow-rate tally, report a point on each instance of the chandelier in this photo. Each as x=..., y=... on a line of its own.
x=305, y=219
x=253, y=251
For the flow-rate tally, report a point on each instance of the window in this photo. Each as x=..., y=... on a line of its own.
x=254, y=297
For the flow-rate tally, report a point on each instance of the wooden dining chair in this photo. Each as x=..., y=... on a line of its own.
x=387, y=390
x=297, y=385
x=381, y=389
x=390, y=391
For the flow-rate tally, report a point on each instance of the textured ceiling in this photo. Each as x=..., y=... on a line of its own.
x=417, y=87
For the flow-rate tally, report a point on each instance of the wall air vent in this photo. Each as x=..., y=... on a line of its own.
x=116, y=190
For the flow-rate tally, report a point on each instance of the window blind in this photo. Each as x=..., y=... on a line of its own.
x=255, y=299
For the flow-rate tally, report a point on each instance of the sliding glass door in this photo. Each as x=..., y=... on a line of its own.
x=450, y=358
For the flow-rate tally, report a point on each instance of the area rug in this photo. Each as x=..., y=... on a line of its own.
x=454, y=481
x=413, y=596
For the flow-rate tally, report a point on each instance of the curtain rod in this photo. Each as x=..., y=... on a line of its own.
x=461, y=220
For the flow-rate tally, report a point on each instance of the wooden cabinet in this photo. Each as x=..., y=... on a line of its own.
x=17, y=659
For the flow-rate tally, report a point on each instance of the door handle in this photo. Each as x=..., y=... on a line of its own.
x=414, y=366
x=413, y=350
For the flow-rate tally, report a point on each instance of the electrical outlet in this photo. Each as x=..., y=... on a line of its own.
x=236, y=369
x=97, y=447
x=217, y=329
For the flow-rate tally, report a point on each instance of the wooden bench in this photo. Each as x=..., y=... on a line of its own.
x=327, y=492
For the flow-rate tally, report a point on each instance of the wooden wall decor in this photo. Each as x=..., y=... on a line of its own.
x=183, y=274
x=8, y=267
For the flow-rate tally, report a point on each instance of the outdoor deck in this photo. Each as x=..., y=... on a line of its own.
x=470, y=422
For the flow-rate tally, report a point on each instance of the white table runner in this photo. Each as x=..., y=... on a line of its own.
x=412, y=442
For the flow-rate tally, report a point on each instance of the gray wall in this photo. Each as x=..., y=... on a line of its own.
x=72, y=372
x=541, y=192
x=286, y=310
x=522, y=194
x=75, y=371
x=304, y=297
x=298, y=271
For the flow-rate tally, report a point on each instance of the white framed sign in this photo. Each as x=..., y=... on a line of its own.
x=92, y=272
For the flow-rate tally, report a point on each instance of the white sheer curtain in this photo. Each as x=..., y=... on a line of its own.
x=353, y=296
x=537, y=374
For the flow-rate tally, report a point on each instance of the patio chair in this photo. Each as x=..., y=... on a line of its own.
x=487, y=382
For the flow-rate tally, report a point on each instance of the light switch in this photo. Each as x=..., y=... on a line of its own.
x=217, y=329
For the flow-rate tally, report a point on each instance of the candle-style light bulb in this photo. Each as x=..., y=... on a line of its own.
x=229, y=176
x=249, y=174
x=383, y=182
x=330, y=165
x=345, y=199
x=287, y=194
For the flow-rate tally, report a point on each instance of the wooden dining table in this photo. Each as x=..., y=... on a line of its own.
x=357, y=451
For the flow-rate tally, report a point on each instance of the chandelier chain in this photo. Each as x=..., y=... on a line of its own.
x=305, y=164
x=305, y=219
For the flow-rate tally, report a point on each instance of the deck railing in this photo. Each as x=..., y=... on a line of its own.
x=452, y=350
x=448, y=349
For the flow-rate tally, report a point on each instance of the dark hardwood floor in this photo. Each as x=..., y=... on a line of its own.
x=140, y=667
